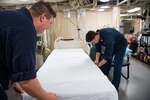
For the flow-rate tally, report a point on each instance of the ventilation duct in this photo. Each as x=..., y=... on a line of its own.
x=83, y=3
x=88, y=3
x=74, y=4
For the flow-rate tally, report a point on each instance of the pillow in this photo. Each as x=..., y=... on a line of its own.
x=126, y=53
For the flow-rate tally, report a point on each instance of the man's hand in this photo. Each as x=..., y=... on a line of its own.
x=101, y=63
x=50, y=96
x=17, y=88
x=96, y=62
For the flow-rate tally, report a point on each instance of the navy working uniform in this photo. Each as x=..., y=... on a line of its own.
x=17, y=48
x=112, y=43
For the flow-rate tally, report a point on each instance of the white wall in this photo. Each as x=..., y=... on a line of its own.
x=67, y=28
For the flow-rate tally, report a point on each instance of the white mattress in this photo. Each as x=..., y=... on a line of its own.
x=72, y=75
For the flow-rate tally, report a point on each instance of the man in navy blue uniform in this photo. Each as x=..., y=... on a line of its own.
x=18, y=31
x=109, y=42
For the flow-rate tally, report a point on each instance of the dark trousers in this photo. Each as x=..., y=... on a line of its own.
x=119, y=55
x=3, y=95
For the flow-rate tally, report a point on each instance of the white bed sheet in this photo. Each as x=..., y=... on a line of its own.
x=72, y=75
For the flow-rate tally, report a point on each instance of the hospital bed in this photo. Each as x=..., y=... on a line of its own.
x=63, y=43
x=71, y=74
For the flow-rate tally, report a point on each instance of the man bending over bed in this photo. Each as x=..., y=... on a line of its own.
x=109, y=42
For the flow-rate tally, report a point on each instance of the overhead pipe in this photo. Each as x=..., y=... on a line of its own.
x=119, y=3
x=128, y=2
x=123, y=15
x=94, y=4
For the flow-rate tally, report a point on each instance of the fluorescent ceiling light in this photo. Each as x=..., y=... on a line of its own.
x=134, y=10
x=24, y=0
x=100, y=9
x=104, y=0
x=104, y=7
x=93, y=9
x=139, y=14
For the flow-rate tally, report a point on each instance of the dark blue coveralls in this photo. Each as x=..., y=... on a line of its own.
x=17, y=48
x=112, y=43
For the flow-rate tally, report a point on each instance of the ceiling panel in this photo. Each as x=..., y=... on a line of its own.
x=17, y=1
x=9, y=2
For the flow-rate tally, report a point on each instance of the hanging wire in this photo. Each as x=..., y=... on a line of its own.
x=72, y=23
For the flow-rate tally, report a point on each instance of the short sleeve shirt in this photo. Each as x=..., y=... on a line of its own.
x=17, y=45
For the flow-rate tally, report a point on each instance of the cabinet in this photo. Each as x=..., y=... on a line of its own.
x=145, y=40
x=144, y=50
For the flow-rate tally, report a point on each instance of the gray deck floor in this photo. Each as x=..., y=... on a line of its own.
x=138, y=85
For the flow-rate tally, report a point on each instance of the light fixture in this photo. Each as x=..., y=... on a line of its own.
x=24, y=0
x=104, y=0
x=134, y=10
x=139, y=14
x=104, y=7
x=100, y=9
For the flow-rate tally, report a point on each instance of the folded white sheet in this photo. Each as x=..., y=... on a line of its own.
x=72, y=75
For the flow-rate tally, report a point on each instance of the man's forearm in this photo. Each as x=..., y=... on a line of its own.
x=33, y=88
x=97, y=56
